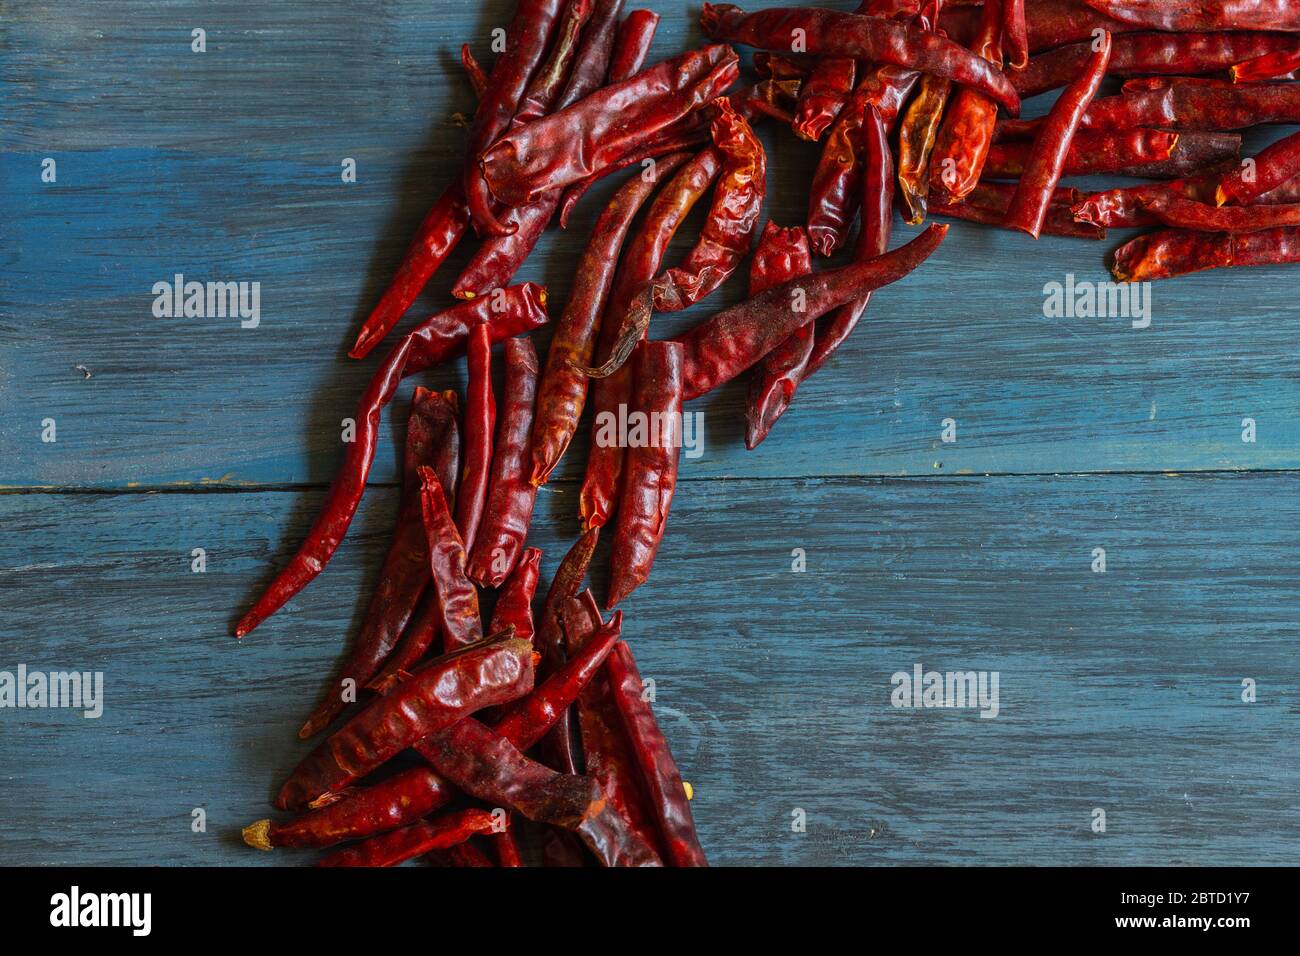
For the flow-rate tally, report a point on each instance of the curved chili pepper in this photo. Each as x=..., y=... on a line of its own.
x=506, y=312
x=829, y=33
x=447, y=690
x=1142, y=54
x=1048, y=23
x=659, y=771
x=509, y=511
x=400, y=800
x=640, y=263
x=596, y=132
x=546, y=86
x=1175, y=252
x=480, y=421
x=441, y=229
x=782, y=254
x=1015, y=34
x=730, y=341
x=647, y=491
x=1203, y=14
x=591, y=67
x=724, y=241
x=962, y=145
x=1090, y=153
x=989, y=207
x=873, y=240
x=631, y=46
x=1050, y=152
x=473, y=69
x=459, y=618
x=916, y=136
x=416, y=840
x=1275, y=165
x=1188, y=214
x=514, y=606
x=823, y=95
x=563, y=390
x=431, y=435
x=1121, y=208
x=527, y=39
x=1280, y=64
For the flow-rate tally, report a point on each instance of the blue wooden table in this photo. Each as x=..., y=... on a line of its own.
x=795, y=581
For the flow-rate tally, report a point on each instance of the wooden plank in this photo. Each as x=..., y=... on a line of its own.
x=226, y=166
x=1118, y=690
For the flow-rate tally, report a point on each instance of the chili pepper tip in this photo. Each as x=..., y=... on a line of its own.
x=258, y=835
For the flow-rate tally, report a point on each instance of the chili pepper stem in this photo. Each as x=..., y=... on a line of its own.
x=258, y=835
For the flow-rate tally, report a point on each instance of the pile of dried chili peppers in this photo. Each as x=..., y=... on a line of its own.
x=460, y=721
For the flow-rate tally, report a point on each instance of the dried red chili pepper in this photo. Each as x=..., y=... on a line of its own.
x=514, y=606
x=1121, y=208
x=1015, y=35
x=506, y=312
x=563, y=390
x=782, y=254
x=548, y=83
x=1203, y=14
x=988, y=202
x=659, y=771
x=1143, y=54
x=473, y=69
x=1090, y=153
x=1188, y=214
x=460, y=620
x=596, y=132
x=1280, y=64
x=1194, y=103
x=1273, y=166
x=829, y=33
x=962, y=145
x=467, y=855
x=1175, y=252
x=730, y=341
x=632, y=44
x=777, y=66
x=823, y=95
x=647, y=491
x=916, y=136
x=480, y=422
x=1049, y=23
x=431, y=436
x=737, y=199
x=440, y=230
x=527, y=39
x=1048, y=156
x=509, y=511
x=436, y=696
x=507, y=849
x=416, y=840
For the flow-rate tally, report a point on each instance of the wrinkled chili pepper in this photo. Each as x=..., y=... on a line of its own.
x=1175, y=252
x=480, y=423
x=988, y=203
x=436, y=696
x=546, y=86
x=962, y=145
x=1050, y=152
x=640, y=263
x=1121, y=208
x=506, y=312
x=1280, y=64
x=1273, y=166
x=822, y=96
x=431, y=437
x=782, y=254
x=1015, y=34
x=473, y=69
x=440, y=230
x=647, y=491
x=507, y=848
x=916, y=136
x=1183, y=15
x=632, y=44
x=563, y=390
x=1143, y=54
x=659, y=771
x=730, y=341
x=737, y=199
x=1188, y=214
x=596, y=132
x=1192, y=103
x=415, y=840
x=527, y=39
x=514, y=606
x=458, y=610
x=777, y=66
x=830, y=33
x=510, y=501
x=1049, y=23
x=1089, y=153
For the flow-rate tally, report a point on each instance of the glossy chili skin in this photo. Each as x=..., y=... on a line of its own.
x=640, y=263
x=480, y=425
x=987, y=204
x=432, y=438
x=460, y=621
x=548, y=83
x=506, y=312
x=1272, y=167
x=1267, y=66
x=647, y=491
x=632, y=44
x=596, y=132
x=1015, y=34
x=1050, y=152
x=562, y=393
x=1121, y=208
x=737, y=199
x=439, y=232
x=1048, y=23
x=1185, y=15
x=1144, y=54
x=782, y=254
x=823, y=94
x=436, y=696
x=1188, y=214
x=527, y=39
x=1196, y=104
x=830, y=33
x=916, y=136
x=501, y=534
x=1175, y=252
x=962, y=145
x=659, y=773
x=1089, y=153
x=732, y=340
x=514, y=606
x=415, y=840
